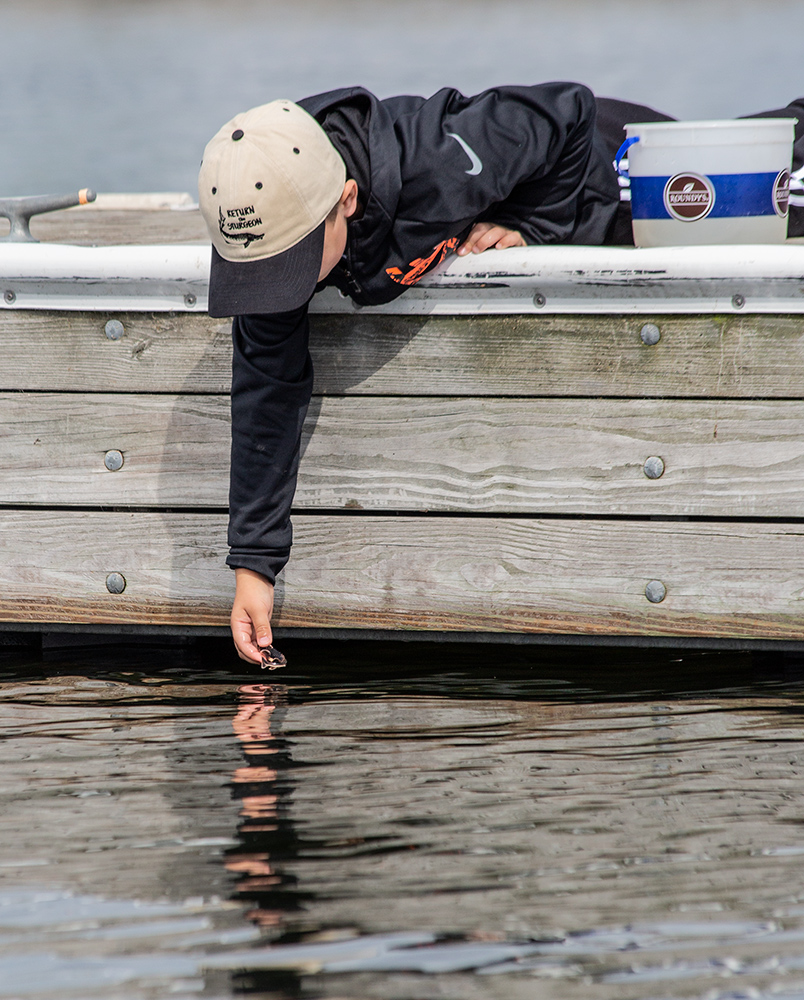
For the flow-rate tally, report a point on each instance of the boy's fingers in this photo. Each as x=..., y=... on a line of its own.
x=264, y=634
x=260, y=615
x=242, y=635
x=247, y=651
x=477, y=231
x=250, y=635
x=489, y=239
x=484, y=235
x=510, y=239
x=251, y=615
x=500, y=238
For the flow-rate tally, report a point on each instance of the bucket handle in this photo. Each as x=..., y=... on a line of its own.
x=618, y=156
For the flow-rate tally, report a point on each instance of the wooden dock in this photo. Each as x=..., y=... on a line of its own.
x=615, y=476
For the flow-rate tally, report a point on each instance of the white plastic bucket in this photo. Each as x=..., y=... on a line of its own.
x=709, y=181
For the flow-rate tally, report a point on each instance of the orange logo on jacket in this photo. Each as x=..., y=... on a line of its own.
x=421, y=265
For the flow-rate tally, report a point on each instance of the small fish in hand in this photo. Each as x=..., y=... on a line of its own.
x=272, y=658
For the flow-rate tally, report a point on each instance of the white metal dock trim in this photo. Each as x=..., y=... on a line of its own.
x=535, y=280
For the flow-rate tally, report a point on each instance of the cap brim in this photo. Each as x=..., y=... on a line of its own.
x=271, y=285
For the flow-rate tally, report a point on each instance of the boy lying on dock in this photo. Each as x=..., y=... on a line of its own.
x=370, y=195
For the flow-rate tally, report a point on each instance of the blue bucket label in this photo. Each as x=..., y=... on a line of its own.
x=690, y=197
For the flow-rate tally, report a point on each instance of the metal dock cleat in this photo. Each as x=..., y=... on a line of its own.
x=19, y=211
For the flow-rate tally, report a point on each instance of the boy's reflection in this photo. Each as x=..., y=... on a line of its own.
x=265, y=833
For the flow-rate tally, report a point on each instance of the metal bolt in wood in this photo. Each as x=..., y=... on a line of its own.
x=113, y=460
x=650, y=334
x=655, y=591
x=653, y=467
x=114, y=329
x=115, y=583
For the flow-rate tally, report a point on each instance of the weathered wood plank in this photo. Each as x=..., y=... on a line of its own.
x=562, y=355
x=521, y=575
x=89, y=226
x=735, y=356
x=70, y=352
x=492, y=455
x=175, y=449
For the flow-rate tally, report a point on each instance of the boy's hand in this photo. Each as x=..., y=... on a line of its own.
x=485, y=235
x=251, y=614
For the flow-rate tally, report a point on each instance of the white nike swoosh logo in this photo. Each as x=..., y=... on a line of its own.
x=477, y=163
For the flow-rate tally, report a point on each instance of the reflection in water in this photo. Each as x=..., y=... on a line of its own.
x=256, y=787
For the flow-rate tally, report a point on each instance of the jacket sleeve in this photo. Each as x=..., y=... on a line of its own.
x=546, y=202
x=519, y=156
x=272, y=380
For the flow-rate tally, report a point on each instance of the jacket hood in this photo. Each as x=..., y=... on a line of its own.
x=370, y=236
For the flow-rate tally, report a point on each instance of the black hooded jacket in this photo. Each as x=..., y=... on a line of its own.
x=528, y=158
x=523, y=157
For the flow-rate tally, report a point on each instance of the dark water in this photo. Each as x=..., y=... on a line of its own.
x=122, y=95
x=401, y=822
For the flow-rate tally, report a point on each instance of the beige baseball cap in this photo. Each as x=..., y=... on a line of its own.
x=268, y=180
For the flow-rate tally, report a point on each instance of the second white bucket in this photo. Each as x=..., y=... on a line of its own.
x=709, y=181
